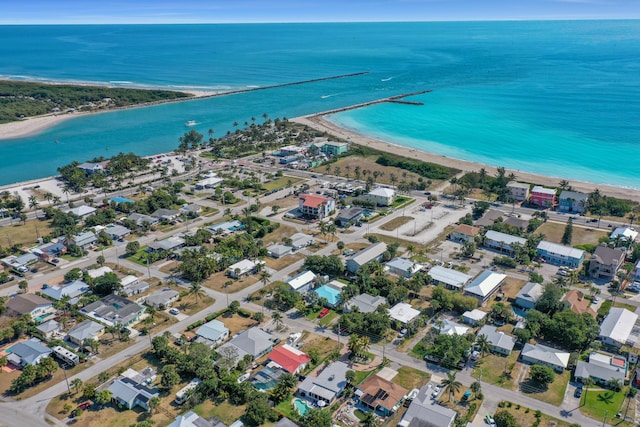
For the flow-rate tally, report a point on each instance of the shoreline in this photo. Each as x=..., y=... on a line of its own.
x=319, y=122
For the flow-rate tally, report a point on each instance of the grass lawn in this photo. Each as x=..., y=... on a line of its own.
x=598, y=402
x=581, y=236
x=527, y=417
x=259, y=296
x=363, y=375
x=324, y=345
x=402, y=201
x=224, y=411
x=404, y=243
x=411, y=378
x=396, y=222
x=554, y=392
x=328, y=319
x=491, y=368
x=282, y=182
x=139, y=257
x=25, y=234
x=280, y=233
x=287, y=409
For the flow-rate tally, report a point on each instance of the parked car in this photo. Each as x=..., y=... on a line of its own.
x=578, y=392
x=324, y=312
x=84, y=405
x=174, y=311
x=489, y=419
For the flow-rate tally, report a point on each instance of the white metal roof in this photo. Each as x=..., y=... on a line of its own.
x=561, y=250
x=449, y=276
x=543, y=190
x=618, y=324
x=485, y=283
x=301, y=279
x=403, y=312
x=507, y=239
x=383, y=192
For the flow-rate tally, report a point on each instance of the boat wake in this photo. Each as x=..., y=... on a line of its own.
x=328, y=96
x=386, y=80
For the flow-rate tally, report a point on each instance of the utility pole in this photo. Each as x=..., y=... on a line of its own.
x=64, y=371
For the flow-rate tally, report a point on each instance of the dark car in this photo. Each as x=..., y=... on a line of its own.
x=578, y=392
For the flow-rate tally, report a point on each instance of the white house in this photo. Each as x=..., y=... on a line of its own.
x=626, y=233
x=473, y=317
x=365, y=256
x=450, y=327
x=499, y=342
x=547, y=356
x=381, y=196
x=242, y=268
x=327, y=386
x=502, y=242
x=529, y=295
x=403, y=267
x=450, y=278
x=212, y=333
x=29, y=352
x=485, y=285
x=302, y=282
x=403, y=313
x=616, y=328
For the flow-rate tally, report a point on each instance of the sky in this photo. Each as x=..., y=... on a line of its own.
x=250, y=11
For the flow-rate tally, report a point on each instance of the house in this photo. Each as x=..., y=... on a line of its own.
x=616, y=328
x=364, y=303
x=329, y=293
x=142, y=219
x=489, y=218
x=191, y=419
x=554, y=253
x=624, y=233
x=242, y=268
x=572, y=202
x=289, y=358
x=403, y=267
x=450, y=278
x=369, y=254
x=606, y=261
x=169, y=244
x=83, y=240
x=93, y=167
x=449, y=327
x=601, y=368
x=226, y=227
x=485, y=285
x=129, y=393
x=302, y=282
x=501, y=242
x=499, y=342
x=426, y=412
x=114, y=310
x=278, y=251
x=314, y=206
x=543, y=197
x=380, y=395
x=212, y=333
x=29, y=352
x=48, y=251
x=547, y=356
x=71, y=290
x=575, y=301
x=464, y=233
x=48, y=329
x=381, y=196
x=334, y=148
x=98, y=272
x=285, y=422
x=327, y=385
x=519, y=191
x=301, y=240
x=211, y=182
x=35, y=306
x=529, y=295
x=254, y=342
x=130, y=285
x=82, y=211
x=193, y=209
x=403, y=313
x=349, y=216
x=84, y=331
x=162, y=299
x=166, y=214
x=117, y=231
x=473, y=317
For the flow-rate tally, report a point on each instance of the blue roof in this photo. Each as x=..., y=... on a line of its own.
x=332, y=295
x=121, y=200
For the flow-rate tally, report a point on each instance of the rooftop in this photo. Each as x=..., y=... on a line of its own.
x=485, y=283
x=377, y=391
x=449, y=276
x=618, y=324
x=313, y=201
x=543, y=190
x=561, y=250
x=289, y=358
x=546, y=354
x=301, y=279
x=403, y=312
x=507, y=239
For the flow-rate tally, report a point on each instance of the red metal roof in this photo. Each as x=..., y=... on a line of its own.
x=289, y=358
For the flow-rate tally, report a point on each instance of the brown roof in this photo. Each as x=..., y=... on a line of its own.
x=25, y=303
x=379, y=392
x=578, y=303
x=467, y=230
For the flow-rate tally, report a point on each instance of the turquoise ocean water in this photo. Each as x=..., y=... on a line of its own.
x=555, y=98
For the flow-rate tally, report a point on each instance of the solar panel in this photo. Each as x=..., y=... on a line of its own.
x=382, y=394
x=368, y=399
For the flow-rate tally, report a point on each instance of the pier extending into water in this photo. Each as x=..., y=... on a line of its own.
x=398, y=99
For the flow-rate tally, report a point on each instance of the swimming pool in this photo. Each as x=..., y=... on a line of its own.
x=301, y=406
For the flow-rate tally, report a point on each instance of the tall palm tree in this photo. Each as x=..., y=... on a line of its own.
x=277, y=319
x=34, y=204
x=264, y=277
x=586, y=382
x=196, y=290
x=450, y=384
x=482, y=343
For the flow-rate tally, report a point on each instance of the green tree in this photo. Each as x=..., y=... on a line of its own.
x=100, y=260
x=103, y=397
x=370, y=420
x=316, y=418
x=73, y=274
x=542, y=375
x=23, y=285
x=505, y=419
x=132, y=248
x=450, y=384
x=482, y=343
x=170, y=376
x=196, y=290
x=233, y=307
x=258, y=412
x=154, y=403
x=76, y=384
x=567, y=236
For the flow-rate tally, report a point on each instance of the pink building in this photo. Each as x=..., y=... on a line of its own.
x=543, y=197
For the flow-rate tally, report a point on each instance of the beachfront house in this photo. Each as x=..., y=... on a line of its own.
x=547, y=356
x=485, y=285
x=331, y=148
x=554, y=253
x=315, y=207
x=518, y=191
x=93, y=167
x=606, y=261
x=369, y=254
x=543, y=197
x=572, y=202
x=502, y=242
x=616, y=328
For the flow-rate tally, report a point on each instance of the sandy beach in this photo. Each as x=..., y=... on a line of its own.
x=317, y=121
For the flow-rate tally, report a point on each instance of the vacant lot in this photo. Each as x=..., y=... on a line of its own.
x=411, y=378
x=282, y=182
x=221, y=282
x=282, y=262
x=396, y=222
x=24, y=234
x=553, y=232
x=527, y=417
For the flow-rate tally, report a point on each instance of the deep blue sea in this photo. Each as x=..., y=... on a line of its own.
x=560, y=98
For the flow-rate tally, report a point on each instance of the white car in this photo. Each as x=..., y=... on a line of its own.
x=174, y=311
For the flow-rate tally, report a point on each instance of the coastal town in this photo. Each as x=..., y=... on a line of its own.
x=282, y=275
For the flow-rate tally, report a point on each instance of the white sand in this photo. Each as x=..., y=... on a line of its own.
x=318, y=122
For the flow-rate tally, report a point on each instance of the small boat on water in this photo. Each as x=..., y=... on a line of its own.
x=190, y=123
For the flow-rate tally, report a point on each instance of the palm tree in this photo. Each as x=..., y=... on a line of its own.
x=586, y=382
x=482, y=343
x=632, y=217
x=76, y=384
x=369, y=420
x=450, y=384
x=264, y=277
x=34, y=204
x=196, y=290
x=277, y=319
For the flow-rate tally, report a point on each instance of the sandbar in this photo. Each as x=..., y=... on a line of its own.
x=318, y=121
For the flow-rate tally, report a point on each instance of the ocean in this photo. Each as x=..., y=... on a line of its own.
x=559, y=98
